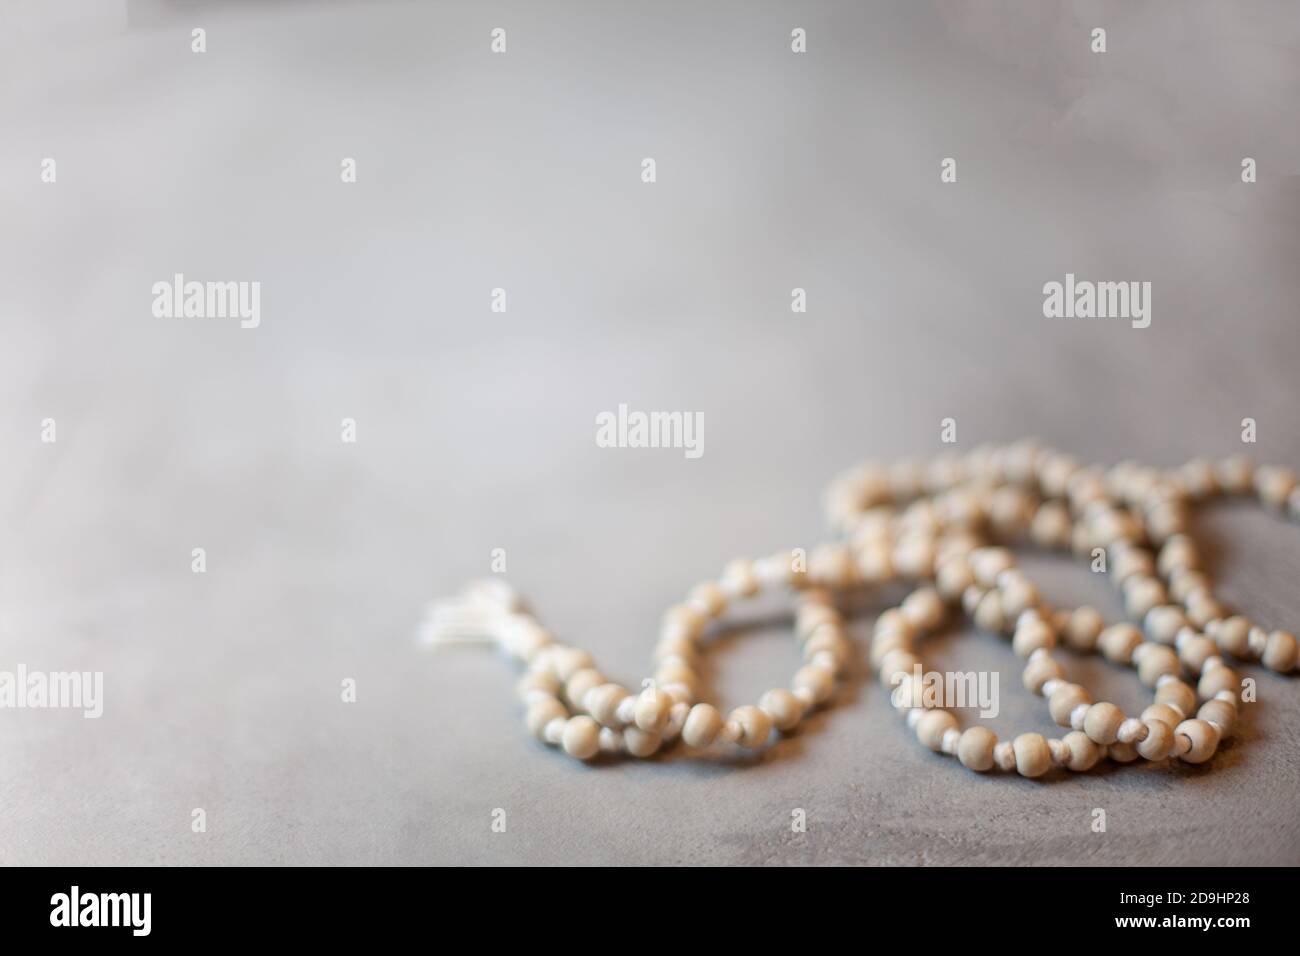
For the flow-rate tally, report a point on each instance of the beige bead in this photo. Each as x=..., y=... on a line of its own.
x=1235, y=475
x=1155, y=661
x=1202, y=739
x=1274, y=485
x=602, y=703
x=1051, y=525
x=924, y=608
x=1220, y=713
x=1159, y=741
x=932, y=726
x=1202, y=608
x=678, y=648
x=581, y=737
x=988, y=613
x=1102, y=721
x=682, y=622
x=812, y=616
x=1083, y=752
x=1004, y=755
x=1194, y=649
x=1141, y=594
x=739, y=578
x=567, y=661
x=1176, y=694
x=954, y=577
x=1218, y=679
x=1118, y=642
x=1233, y=637
x=783, y=707
x=1018, y=594
x=638, y=743
x=537, y=683
x=829, y=641
x=1064, y=700
x=1039, y=671
x=975, y=748
x=1162, y=712
x=702, y=726
x=676, y=672
x=541, y=713
x=1032, y=635
x=651, y=711
x=1084, y=627
x=813, y=684
x=1280, y=652
x=1033, y=755
x=1163, y=623
x=707, y=598
x=755, y=726
x=582, y=681
x=895, y=663
x=1121, y=752
x=883, y=643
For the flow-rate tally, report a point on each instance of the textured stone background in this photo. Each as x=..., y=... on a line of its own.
x=476, y=430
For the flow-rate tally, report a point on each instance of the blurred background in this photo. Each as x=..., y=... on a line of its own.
x=475, y=429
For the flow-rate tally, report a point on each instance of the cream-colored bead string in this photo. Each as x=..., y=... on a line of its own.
x=950, y=523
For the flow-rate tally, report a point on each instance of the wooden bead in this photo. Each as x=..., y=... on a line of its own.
x=1233, y=637
x=813, y=684
x=932, y=726
x=883, y=644
x=1202, y=739
x=1274, y=485
x=602, y=703
x=651, y=711
x=707, y=598
x=1220, y=713
x=567, y=661
x=1163, y=623
x=537, y=683
x=755, y=726
x=1032, y=635
x=542, y=712
x=1155, y=661
x=1033, y=755
x=1176, y=694
x=1102, y=721
x=1280, y=652
x=1083, y=751
x=988, y=614
x=1083, y=628
x=675, y=672
x=829, y=641
x=702, y=726
x=1141, y=594
x=897, y=663
x=1039, y=671
x=1216, y=680
x=1165, y=713
x=1159, y=740
x=582, y=681
x=783, y=707
x=1064, y=700
x=1194, y=649
x=924, y=609
x=581, y=737
x=975, y=748
x=1118, y=642
x=638, y=743
x=1018, y=594
x=1121, y=752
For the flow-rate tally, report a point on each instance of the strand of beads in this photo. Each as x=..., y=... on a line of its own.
x=941, y=522
x=571, y=704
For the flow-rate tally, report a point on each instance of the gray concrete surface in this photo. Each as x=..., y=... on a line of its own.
x=475, y=430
